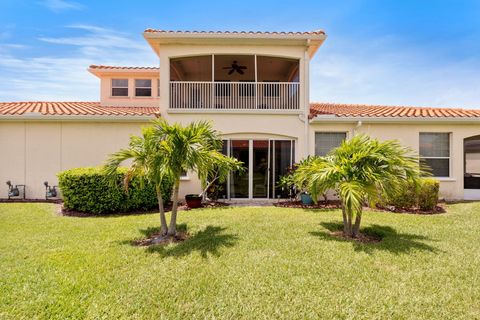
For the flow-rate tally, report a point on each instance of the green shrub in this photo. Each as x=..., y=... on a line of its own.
x=427, y=196
x=424, y=196
x=89, y=190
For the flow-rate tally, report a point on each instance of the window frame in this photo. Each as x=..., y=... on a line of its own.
x=150, y=87
x=449, y=158
x=116, y=87
x=315, y=141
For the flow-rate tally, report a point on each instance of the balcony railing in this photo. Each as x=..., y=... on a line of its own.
x=234, y=95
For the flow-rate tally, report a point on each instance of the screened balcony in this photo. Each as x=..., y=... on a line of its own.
x=234, y=82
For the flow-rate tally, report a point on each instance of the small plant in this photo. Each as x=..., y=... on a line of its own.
x=428, y=194
x=423, y=195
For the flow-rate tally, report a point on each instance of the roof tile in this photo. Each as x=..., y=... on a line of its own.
x=361, y=110
x=316, y=32
x=102, y=67
x=73, y=108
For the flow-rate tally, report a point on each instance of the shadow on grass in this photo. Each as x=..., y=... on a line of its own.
x=207, y=241
x=392, y=240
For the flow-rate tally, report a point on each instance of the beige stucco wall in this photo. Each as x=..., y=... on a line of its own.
x=408, y=134
x=34, y=152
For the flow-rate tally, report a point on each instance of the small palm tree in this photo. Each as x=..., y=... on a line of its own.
x=194, y=147
x=148, y=163
x=360, y=170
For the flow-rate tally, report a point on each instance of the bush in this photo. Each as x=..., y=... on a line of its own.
x=89, y=190
x=428, y=194
x=424, y=196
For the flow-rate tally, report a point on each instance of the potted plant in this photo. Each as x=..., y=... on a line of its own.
x=306, y=198
x=214, y=173
x=193, y=200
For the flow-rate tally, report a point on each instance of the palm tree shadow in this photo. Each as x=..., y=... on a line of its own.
x=207, y=241
x=391, y=240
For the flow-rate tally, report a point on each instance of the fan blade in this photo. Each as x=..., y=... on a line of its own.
x=242, y=67
x=231, y=71
x=240, y=71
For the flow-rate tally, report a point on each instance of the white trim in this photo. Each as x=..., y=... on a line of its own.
x=235, y=111
x=445, y=179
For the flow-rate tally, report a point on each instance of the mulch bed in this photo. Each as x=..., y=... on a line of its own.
x=440, y=208
x=20, y=200
x=362, y=238
x=335, y=204
x=168, y=207
x=179, y=237
x=330, y=204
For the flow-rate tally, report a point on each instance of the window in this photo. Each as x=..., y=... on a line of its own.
x=143, y=87
x=158, y=87
x=119, y=87
x=327, y=141
x=435, y=152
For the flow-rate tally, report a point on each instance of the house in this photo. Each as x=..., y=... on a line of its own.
x=254, y=87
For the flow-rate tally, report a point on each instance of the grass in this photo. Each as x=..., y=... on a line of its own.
x=239, y=263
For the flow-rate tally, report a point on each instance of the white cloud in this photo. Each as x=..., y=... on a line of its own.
x=65, y=77
x=61, y=5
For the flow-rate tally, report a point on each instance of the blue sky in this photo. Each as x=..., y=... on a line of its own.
x=424, y=53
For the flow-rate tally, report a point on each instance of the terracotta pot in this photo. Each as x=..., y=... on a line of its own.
x=193, y=201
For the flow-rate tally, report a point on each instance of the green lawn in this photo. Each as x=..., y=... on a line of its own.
x=239, y=263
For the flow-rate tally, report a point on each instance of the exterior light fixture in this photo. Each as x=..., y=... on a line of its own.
x=50, y=191
x=14, y=191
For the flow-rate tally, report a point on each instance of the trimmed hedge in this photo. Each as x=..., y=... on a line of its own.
x=424, y=197
x=89, y=190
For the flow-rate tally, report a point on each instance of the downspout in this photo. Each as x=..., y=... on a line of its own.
x=306, y=109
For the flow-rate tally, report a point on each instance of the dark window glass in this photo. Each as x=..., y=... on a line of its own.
x=119, y=87
x=143, y=92
x=327, y=141
x=120, y=92
x=435, y=152
x=143, y=87
x=439, y=167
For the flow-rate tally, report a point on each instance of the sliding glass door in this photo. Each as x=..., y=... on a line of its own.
x=265, y=162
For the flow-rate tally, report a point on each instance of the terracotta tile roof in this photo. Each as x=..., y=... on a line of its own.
x=316, y=32
x=376, y=111
x=100, y=67
x=72, y=109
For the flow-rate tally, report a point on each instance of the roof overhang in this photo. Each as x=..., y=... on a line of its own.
x=101, y=72
x=311, y=40
x=402, y=120
x=80, y=118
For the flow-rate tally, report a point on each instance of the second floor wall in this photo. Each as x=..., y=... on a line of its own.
x=225, y=78
x=128, y=86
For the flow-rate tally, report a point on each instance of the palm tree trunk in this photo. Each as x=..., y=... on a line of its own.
x=356, y=227
x=345, y=221
x=172, y=230
x=161, y=210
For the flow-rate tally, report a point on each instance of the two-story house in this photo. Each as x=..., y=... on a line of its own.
x=254, y=88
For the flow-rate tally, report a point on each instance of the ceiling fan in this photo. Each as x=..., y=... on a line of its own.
x=235, y=67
